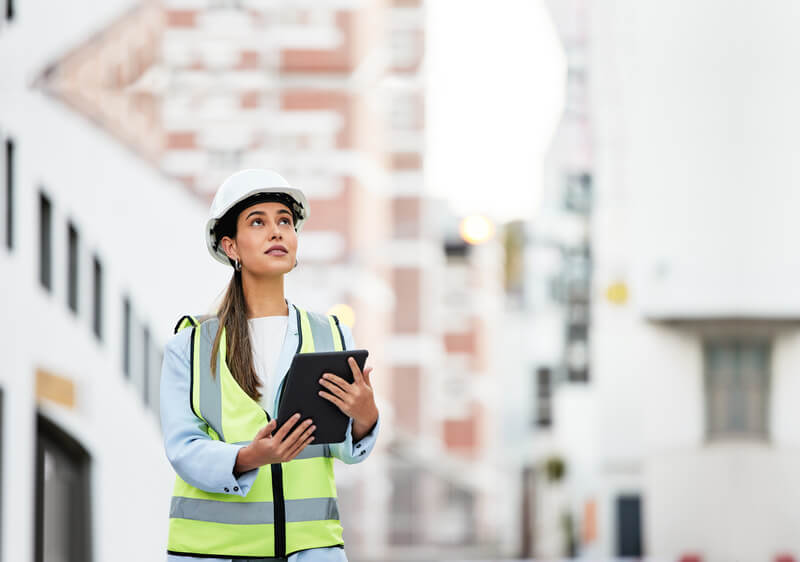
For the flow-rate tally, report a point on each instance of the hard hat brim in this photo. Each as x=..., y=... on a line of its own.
x=211, y=243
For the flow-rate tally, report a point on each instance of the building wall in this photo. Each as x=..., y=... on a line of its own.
x=694, y=206
x=146, y=231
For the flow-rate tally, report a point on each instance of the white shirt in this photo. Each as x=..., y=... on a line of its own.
x=266, y=337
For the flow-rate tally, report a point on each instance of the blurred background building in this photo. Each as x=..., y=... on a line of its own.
x=662, y=248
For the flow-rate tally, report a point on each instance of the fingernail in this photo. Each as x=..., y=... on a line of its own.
x=313, y=427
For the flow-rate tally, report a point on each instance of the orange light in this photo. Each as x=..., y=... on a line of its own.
x=475, y=229
x=617, y=293
x=344, y=313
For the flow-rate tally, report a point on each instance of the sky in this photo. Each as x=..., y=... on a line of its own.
x=495, y=79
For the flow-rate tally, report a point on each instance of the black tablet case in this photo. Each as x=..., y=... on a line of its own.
x=300, y=392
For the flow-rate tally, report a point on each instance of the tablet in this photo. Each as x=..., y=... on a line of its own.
x=300, y=392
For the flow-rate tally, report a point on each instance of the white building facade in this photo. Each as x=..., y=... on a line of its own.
x=101, y=254
x=689, y=437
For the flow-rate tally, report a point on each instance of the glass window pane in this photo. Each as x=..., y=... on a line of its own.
x=737, y=389
x=45, y=247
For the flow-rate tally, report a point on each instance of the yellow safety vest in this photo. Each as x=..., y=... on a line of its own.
x=290, y=506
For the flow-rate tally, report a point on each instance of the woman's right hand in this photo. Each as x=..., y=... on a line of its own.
x=281, y=447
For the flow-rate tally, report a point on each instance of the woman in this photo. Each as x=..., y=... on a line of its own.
x=246, y=489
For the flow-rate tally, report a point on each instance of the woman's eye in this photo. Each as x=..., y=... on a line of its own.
x=287, y=220
x=257, y=221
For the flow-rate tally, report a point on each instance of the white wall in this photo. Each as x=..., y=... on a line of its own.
x=147, y=231
x=694, y=119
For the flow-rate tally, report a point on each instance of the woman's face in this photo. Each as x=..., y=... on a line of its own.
x=266, y=242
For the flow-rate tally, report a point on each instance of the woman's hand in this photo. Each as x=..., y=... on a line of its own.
x=354, y=399
x=266, y=448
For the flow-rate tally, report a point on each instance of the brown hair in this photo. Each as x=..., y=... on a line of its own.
x=232, y=315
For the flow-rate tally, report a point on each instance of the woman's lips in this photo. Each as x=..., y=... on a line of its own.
x=277, y=252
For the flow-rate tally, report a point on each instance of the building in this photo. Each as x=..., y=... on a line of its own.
x=96, y=246
x=102, y=123
x=683, y=445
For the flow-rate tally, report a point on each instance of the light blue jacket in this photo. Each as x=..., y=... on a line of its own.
x=208, y=464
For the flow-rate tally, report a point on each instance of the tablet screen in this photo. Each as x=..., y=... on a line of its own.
x=300, y=392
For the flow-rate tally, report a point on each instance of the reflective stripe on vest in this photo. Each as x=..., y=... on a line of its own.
x=290, y=506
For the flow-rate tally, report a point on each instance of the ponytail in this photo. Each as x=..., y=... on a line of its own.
x=232, y=315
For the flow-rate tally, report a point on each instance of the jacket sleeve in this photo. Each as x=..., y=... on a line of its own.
x=347, y=451
x=198, y=459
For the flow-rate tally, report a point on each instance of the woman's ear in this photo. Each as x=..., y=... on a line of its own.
x=229, y=247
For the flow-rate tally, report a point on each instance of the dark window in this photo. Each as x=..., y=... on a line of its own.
x=126, y=337
x=544, y=392
x=45, y=242
x=629, y=526
x=456, y=249
x=97, y=283
x=9, y=10
x=9, y=194
x=737, y=389
x=578, y=193
x=146, y=365
x=62, y=509
x=72, y=267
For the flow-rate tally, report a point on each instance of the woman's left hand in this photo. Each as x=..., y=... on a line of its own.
x=354, y=399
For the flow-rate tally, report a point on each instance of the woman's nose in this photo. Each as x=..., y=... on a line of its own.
x=276, y=231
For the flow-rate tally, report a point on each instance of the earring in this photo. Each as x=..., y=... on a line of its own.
x=238, y=266
x=295, y=262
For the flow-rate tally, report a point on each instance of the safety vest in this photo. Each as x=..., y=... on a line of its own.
x=291, y=506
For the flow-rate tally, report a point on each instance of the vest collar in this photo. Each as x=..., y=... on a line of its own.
x=292, y=324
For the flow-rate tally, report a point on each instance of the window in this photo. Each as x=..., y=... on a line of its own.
x=146, y=365
x=405, y=46
x=126, y=337
x=576, y=356
x=224, y=159
x=404, y=516
x=225, y=4
x=72, y=267
x=9, y=10
x=45, y=242
x=629, y=526
x=97, y=283
x=62, y=514
x=9, y=193
x=543, y=398
x=578, y=193
x=458, y=518
x=405, y=112
x=737, y=389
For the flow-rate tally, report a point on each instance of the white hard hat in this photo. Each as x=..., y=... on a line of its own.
x=240, y=186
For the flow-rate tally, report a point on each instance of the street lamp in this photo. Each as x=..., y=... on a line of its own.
x=344, y=313
x=475, y=229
